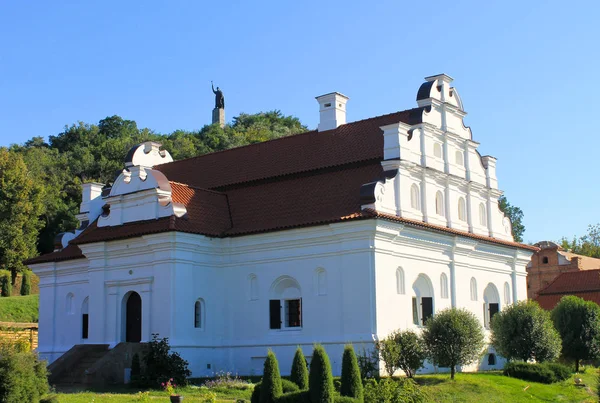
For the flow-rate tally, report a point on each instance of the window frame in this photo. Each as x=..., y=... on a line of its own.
x=199, y=314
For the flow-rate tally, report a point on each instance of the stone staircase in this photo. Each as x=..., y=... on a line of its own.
x=93, y=365
x=71, y=368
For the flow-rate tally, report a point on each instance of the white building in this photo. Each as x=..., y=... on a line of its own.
x=338, y=235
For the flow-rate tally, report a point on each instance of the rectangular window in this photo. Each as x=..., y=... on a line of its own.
x=84, y=326
x=494, y=308
x=415, y=311
x=293, y=313
x=427, y=309
x=275, y=314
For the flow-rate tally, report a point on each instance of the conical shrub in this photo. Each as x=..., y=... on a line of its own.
x=351, y=380
x=5, y=285
x=320, y=379
x=299, y=374
x=270, y=388
x=26, y=283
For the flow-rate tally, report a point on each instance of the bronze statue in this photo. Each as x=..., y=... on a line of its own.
x=219, y=99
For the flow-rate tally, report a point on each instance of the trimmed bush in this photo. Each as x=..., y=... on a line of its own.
x=160, y=365
x=299, y=374
x=26, y=283
x=561, y=372
x=255, y=398
x=5, y=285
x=529, y=372
x=345, y=399
x=289, y=386
x=351, y=381
x=271, y=387
x=320, y=380
x=392, y=390
x=301, y=396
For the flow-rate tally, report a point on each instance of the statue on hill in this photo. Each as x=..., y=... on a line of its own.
x=219, y=99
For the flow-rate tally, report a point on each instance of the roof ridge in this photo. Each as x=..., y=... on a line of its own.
x=285, y=137
x=562, y=274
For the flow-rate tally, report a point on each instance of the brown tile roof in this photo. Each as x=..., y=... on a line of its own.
x=68, y=253
x=584, y=284
x=307, y=179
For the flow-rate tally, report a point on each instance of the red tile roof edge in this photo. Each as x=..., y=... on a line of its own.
x=568, y=274
x=70, y=252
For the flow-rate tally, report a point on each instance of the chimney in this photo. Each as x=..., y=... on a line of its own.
x=332, y=108
x=90, y=191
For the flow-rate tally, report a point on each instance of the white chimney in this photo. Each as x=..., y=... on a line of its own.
x=332, y=108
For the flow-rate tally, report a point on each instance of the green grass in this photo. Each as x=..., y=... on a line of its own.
x=19, y=309
x=486, y=387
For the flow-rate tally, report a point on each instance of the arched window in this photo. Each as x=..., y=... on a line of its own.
x=444, y=285
x=482, y=215
x=321, y=281
x=85, y=321
x=69, y=304
x=473, y=289
x=285, y=306
x=462, y=209
x=506, y=293
x=545, y=260
x=491, y=359
x=253, y=287
x=491, y=304
x=439, y=203
x=199, y=314
x=460, y=160
x=437, y=150
x=400, y=281
x=422, y=301
x=415, y=197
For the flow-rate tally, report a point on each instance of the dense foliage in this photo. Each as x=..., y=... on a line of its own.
x=394, y=390
x=543, y=373
x=402, y=350
x=578, y=323
x=26, y=283
x=351, y=380
x=53, y=171
x=271, y=387
x=299, y=373
x=515, y=214
x=524, y=331
x=160, y=365
x=320, y=379
x=5, y=284
x=20, y=207
x=453, y=337
x=587, y=245
x=23, y=377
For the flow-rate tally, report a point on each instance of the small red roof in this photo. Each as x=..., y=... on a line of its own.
x=584, y=284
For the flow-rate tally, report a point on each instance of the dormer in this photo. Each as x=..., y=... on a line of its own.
x=140, y=192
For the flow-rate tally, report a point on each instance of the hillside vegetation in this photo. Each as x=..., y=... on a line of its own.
x=20, y=309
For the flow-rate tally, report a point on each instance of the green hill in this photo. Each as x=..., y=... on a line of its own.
x=19, y=309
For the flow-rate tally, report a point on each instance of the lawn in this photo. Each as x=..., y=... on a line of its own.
x=487, y=387
x=19, y=309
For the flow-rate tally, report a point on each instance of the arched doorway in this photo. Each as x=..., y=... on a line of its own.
x=85, y=322
x=491, y=304
x=133, y=318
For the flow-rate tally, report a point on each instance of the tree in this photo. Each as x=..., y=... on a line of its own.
x=20, y=207
x=515, y=214
x=26, y=283
x=587, y=245
x=5, y=286
x=270, y=388
x=524, y=331
x=389, y=353
x=320, y=379
x=351, y=380
x=411, y=352
x=578, y=323
x=299, y=374
x=453, y=337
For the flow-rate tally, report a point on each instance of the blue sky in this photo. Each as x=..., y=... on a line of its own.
x=526, y=72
